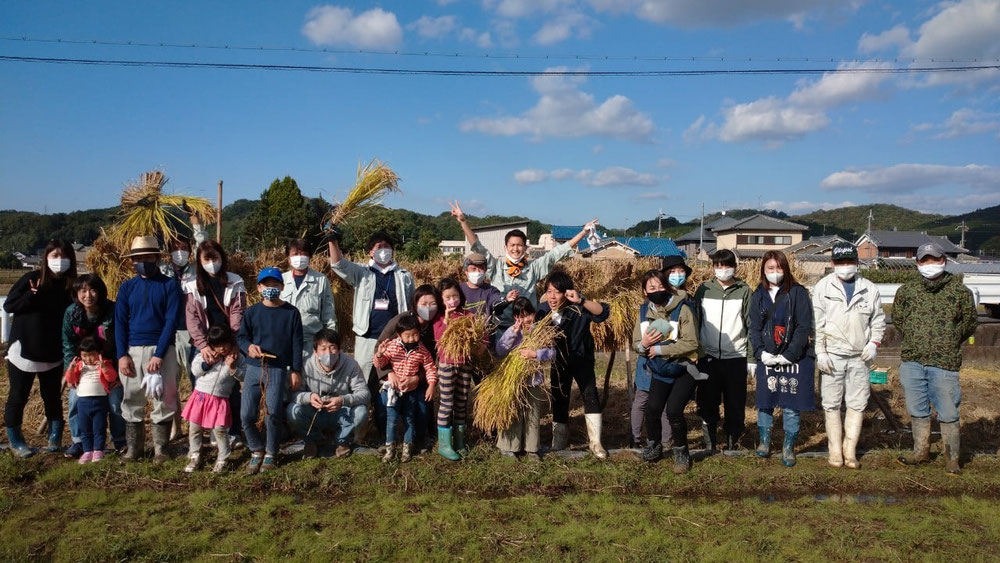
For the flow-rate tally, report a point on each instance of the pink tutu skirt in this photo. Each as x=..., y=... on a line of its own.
x=207, y=411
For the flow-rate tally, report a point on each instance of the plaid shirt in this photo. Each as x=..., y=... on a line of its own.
x=407, y=364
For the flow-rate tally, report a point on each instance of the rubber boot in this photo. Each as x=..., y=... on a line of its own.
x=161, y=435
x=788, y=450
x=921, y=442
x=852, y=432
x=835, y=438
x=135, y=438
x=17, y=444
x=682, y=460
x=458, y=439
x=732, y=442
x=950, y=437
x=390, y=451
x=55, y=436
x=594, y=435
x=709, y=436
x=407, y=454
x=444, y=444
x=652, y=452
x=764, y=449
x=560, y=436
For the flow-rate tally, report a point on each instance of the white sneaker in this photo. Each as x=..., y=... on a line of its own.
x=193, y=463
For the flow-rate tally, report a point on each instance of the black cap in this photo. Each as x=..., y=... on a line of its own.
x=844, y=251
x=674, y=260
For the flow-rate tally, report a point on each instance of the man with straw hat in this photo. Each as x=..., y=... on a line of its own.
x=145, y=327
x=847, y=313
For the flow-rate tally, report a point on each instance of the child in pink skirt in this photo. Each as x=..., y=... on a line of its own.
x=208, y=406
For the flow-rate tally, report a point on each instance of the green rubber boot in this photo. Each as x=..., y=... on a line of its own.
x=458, y=439
x=444, y=444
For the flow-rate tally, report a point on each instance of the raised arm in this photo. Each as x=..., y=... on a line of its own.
x=456, y=212
x=583, y=232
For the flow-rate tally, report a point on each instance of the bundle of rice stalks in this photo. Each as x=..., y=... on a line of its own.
x=431, y=271
x=616, y=332
x=465, y=338
x=504, y=391
x=146, y=210
x=374, y=182
x=109, y=263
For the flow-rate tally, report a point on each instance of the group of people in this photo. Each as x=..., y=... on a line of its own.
x=263, y=373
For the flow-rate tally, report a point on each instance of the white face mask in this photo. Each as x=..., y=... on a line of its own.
x=180, y=257
x=383, y=256
x=212, y=267
x=328, y=360
x=58, y=265
x=299, y=262
x=475, y=277
x=724, y=274
x=846, y=272
x=931, y=271
x=774, y=278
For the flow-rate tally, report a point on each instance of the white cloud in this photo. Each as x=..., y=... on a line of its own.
x=481, y=39
x=897, y=37
x=665, y=162
x=710, y=13
x=433, y=28
x=597, y=149
x=947, y=203
x=905, y=178
x=334, y=25
x=652, y=196
x=446, y=2
x=608, y=177
x=962, y=122
x=563, y=110
x=774, y=120
x=563, y=27
x=799, y=207
x=524, y=8
x=530, y=176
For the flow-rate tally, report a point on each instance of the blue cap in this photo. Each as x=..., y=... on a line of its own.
x=270, y=273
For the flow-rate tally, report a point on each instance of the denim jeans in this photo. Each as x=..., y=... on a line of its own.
x=115, y=421
x=789, y=419
x=276, y=384
x=924, y=386
x=344, y=420
x=412, y=407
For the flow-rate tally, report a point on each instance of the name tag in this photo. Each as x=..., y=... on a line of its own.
x=381, y=304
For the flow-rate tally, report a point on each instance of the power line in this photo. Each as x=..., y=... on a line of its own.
x=459, y=54
x=494, y=73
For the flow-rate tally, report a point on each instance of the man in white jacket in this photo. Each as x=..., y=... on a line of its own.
x=849, y=320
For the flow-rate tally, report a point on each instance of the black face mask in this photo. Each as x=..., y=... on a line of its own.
x=148, y=269
x=411, y=346
x=659, y=297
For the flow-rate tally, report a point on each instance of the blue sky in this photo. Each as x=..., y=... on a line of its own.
x=560, y=149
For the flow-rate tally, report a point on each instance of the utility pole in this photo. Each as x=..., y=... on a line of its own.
x=962, y=228
x=870, y=218
x=218, y=220
x=701, y=232
x=659, y=223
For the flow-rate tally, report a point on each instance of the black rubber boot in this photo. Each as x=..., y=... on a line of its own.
x=135, y=437
x=709, y=436
x=682, y=460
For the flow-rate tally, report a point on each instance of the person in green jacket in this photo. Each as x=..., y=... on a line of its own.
x=934, y=316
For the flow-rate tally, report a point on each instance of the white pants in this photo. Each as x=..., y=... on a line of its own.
x=134, y=401
x=364, y=352
x=848, y=383
x=182, y=343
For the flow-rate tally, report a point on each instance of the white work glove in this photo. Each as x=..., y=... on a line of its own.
x=153, y=383
x=825, y=363
x=870, y=352
x=783, y=361
x=768, y=359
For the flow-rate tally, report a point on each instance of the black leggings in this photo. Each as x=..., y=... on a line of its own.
x=562, y=384
x=726, y=384
x=49, y=384
x=674, y=397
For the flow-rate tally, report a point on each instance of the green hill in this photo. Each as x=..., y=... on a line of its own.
x=983, y=224
x=855, y=219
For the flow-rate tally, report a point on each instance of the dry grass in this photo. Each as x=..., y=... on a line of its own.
x=465, y=338
x=375, y=181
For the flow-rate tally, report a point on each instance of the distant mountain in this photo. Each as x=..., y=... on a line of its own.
x=855, y=219
x=983, y=229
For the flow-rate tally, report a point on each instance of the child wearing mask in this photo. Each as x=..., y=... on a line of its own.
x=413, y=376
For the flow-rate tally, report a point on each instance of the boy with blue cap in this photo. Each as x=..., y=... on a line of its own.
x=271, y=337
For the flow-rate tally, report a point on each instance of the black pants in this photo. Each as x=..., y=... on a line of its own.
x=562, y=384
x=673, y=397
x=726, y=384
x=49, y=383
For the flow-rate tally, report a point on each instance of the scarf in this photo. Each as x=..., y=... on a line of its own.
x=514, y=268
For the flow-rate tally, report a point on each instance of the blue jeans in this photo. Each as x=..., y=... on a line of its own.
x=344, y=420
x=789, y=419
x=115, y=420
x=413, y=408
x=924, y=386
x=92, y=419
x=276, y=382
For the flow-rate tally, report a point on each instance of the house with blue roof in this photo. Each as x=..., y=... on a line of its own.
x=617, y=247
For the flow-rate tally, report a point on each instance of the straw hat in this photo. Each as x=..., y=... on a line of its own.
x=144, y=245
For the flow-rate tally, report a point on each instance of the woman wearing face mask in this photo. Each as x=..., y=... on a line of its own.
x=333, y=396
x=427, y=303
x=781, y=324
x=38, y=302
x=215, y=297
x=309, y=291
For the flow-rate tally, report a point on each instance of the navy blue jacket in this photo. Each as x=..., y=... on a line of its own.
x=798, y=323
x=277, y=330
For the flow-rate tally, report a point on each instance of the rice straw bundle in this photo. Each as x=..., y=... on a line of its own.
x=616, y=332
x=109, y=263
x=464, y=338
x=504, y=391
x=374, y=182
x=146, y=210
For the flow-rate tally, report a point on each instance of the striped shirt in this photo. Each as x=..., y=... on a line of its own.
x=407, y=364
